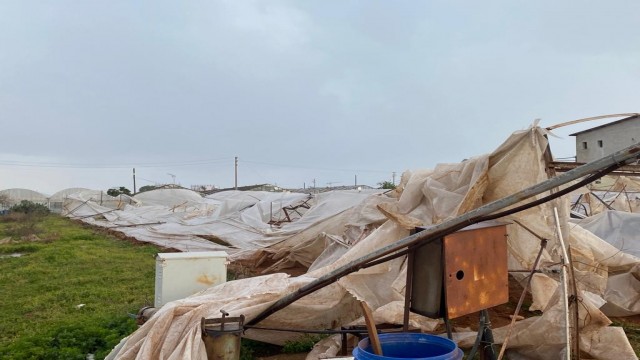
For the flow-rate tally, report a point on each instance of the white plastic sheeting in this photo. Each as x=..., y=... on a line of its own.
x=425, y=197
x=238, y=222
x=621, y=231
x=63, y=194
x=173, y=198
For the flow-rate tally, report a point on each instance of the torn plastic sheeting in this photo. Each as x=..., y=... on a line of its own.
x=245, y=229
x=516, y=165
x=618, y=228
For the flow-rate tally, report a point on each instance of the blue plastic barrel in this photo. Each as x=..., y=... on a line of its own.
x=409, y=346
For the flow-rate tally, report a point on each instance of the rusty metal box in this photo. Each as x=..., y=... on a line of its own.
x=461, y=273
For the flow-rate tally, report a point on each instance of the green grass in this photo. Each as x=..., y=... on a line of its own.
x=41, y=292
x=632, y=329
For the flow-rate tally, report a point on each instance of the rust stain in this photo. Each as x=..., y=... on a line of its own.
x=206, y=280
x=476, y=264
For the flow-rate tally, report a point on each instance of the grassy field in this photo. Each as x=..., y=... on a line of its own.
x=70, y=291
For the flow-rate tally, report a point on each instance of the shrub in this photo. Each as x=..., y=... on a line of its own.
x=29, y=208
x=72, y=341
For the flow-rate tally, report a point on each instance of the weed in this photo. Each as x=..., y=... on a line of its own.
x=72, y=341
x=250, y=349
x=39, y=293
x=29, y=208
x=632, y=329
x=303, y=344
x=23, y=224
x=238, y=271
x=18, y=248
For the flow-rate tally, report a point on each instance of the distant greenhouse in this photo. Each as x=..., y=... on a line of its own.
x=15, y=196
x=56, y=202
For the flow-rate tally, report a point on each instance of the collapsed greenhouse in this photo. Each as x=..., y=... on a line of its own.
x=327, y=232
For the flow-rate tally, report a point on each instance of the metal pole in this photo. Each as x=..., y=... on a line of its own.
x=236, y=173
x=408, y=290
x=134, y=180
x=543, y=245
x=565, y=289
x=616, y=159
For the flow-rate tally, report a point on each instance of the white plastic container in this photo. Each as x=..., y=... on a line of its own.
x=179, y=275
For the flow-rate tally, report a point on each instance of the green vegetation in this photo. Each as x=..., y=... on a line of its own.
x=71, y=290
x=5, y=201
x=23, y=220
x=28, y=207
x=631, y=327
x=387, y=185
x=147, y=188
x=118, y=191
x=303, y=344
x=251, y=349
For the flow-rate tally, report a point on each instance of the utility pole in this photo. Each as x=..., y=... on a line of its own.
x=393, y=175
x=134, y=180
x=236, y=173
x=355, y=183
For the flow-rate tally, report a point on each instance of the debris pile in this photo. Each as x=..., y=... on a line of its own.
x=330, y=235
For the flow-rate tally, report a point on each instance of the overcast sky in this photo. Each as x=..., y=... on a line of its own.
x=298, y=90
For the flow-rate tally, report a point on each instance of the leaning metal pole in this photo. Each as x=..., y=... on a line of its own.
x=612, y=161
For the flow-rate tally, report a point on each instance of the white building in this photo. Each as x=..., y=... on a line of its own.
x=595, y=143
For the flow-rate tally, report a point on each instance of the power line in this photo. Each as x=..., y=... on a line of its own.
x=113, y=166
x=315, y=168
x=166, y=164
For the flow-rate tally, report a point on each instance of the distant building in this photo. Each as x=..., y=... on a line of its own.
x=312, y=190
x=202, y=188
x=256, y=187
x=595, y=143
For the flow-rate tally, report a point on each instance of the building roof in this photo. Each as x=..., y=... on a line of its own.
x=605, y=125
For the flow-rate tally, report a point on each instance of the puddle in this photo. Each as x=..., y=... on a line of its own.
x=14, y=255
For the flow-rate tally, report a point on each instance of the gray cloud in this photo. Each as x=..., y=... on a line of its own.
x=297, y=90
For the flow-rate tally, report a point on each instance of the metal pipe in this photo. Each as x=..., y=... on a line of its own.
x=308, y=331
x=408, y=290
x=616, y=159
x=565, y=288
x=590, y=119
x=554, y=195
x=574, y=302
x=526, y=206
x=476, y=344
x=543, y=245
